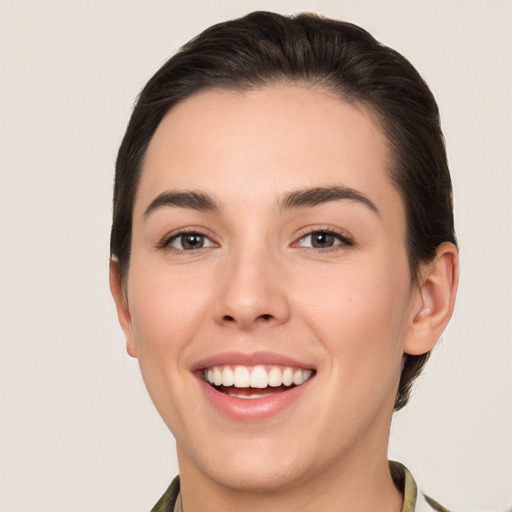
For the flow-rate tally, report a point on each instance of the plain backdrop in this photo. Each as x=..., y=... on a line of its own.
x=77, y=429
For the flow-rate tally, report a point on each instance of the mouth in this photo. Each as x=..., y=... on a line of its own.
x=253, y=382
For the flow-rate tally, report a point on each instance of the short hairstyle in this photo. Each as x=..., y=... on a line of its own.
x=265, y=48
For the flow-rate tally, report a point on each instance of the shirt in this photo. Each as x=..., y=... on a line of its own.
x=414, y=501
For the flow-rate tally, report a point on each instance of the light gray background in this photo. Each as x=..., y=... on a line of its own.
x=77, y=430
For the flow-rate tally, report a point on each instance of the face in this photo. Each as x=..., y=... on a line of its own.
x=269, y=298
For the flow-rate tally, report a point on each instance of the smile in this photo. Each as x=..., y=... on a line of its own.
x=243, y=381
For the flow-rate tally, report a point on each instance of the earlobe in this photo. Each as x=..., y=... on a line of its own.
x=123, y=311
x=435, y=300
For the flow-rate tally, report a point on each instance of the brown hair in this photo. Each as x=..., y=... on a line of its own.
x=265, y=48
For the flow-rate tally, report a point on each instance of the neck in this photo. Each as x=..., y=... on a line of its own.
x=356, y=485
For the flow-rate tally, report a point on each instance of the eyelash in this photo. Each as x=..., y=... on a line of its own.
x=166, y=242
x=341, y=240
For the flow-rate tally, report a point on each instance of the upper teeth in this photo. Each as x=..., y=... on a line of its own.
x=256, y=376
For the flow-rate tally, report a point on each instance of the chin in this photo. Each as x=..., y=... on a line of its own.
x=253, y=465
x=267, y=476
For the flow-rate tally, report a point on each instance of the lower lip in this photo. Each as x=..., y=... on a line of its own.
x=253, y=409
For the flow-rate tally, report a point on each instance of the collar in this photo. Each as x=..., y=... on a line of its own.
x=405, y=484
x=400, y=474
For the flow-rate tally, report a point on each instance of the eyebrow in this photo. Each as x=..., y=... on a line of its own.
x=317, y=196
x=182, y=199
x=303, y=198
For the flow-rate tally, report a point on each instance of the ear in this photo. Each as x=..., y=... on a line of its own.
x=123, y=311
x=434, y=300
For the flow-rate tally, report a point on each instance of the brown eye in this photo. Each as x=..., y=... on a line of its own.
x=189, y=242
x=323, y=240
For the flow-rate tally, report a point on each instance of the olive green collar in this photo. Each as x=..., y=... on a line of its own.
x=401, y=476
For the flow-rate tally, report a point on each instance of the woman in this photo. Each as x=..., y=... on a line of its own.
x=283, y=260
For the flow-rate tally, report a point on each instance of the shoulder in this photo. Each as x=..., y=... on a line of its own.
x=414, y=499
x=427, y=504
x=168, y=500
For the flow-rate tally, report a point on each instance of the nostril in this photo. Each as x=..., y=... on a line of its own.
x=265, y=317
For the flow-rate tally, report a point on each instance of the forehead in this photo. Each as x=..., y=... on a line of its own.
x=275, y=138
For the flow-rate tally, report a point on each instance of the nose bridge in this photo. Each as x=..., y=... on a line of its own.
x=251, y=290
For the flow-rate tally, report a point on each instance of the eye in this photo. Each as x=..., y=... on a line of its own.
x=323, y=240
x=189, y=242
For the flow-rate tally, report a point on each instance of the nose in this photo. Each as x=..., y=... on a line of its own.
x=252, y=291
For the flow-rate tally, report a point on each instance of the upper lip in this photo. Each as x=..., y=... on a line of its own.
x=250, y=359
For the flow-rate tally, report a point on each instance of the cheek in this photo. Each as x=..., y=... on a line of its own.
x=164, y=310
x=360, y=314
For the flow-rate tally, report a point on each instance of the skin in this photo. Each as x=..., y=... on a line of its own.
x=350, y=310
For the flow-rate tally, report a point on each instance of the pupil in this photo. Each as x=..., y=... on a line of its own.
x=323, y=240
x=192, y=241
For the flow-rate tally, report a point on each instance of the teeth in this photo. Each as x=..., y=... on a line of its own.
x=257, y=377
x=242, y=377
x=297, y=377
x=249, y=397
x=288, y=377
x=275, y=377
x=217, y=376
x=228, y=379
